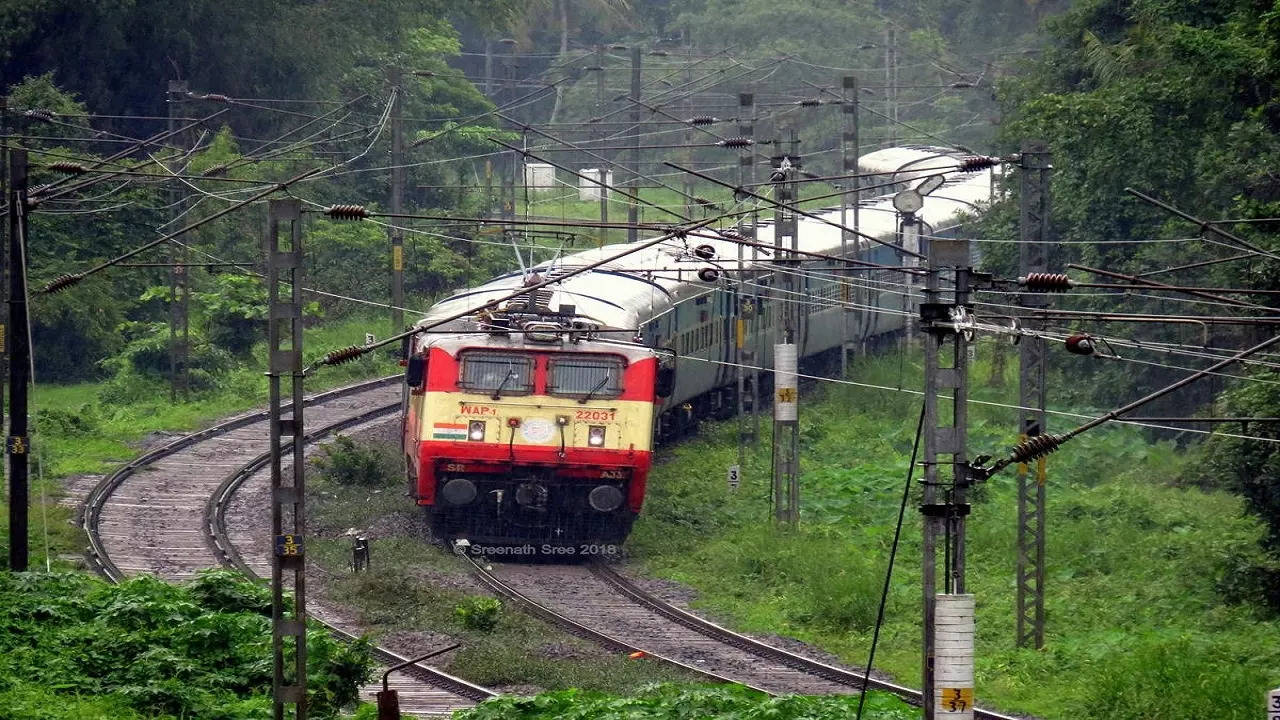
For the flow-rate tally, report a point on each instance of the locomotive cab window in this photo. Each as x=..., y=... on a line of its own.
x=581, y=377
x=505, y=373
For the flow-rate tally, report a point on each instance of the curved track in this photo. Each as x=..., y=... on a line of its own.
x=598, y=603
x=161, y=514
x=165, y=513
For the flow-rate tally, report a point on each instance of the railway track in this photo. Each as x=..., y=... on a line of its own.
x=162, y=513
x=598, y=603
x=166, y=513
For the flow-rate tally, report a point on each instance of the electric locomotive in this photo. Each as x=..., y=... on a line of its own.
x=532, y=424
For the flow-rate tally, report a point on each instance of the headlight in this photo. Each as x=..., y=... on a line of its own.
x=476, y=431
x=595, y=436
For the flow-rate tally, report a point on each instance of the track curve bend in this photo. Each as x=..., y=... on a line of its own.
x=161, y=514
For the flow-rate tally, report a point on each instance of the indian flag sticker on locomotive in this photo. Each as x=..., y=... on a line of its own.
x=449, y=431
x=537, y=430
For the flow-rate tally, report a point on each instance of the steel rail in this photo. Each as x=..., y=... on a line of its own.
x=101, y=494
x=91, y=513
x=220, y=544
x=533, y=607
x=755, y=647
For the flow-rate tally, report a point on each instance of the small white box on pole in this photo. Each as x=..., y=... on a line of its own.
x=785, y=388
x=589, y=185
x=539, y=176
x=1273, y=705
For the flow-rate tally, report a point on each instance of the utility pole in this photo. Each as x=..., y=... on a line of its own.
x=849, y=166
x=746, y=174
x=17, y=446
x=689, y=110
x=633, y=209
x=488, y=67
x=179, y=292
x=948, y=616
x=786, y=429
x=512, y=163
x=891, y=82
x=397, y=199
x=598, y=133
x=284, y=338
x=1033, y=202
x=4, y=245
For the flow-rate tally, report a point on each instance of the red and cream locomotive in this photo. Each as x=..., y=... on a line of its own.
x=532, y=424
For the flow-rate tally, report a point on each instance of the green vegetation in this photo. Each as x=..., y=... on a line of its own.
x=84, y=429
x=77, y=647
x=417, y=587
x=346, y=462
x=1140, y=576
x=682, y=701
x=1250, y=468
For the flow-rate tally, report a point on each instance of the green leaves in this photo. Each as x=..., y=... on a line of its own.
x=717, y=702
x=149, y=648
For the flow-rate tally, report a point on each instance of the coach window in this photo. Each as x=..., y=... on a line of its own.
x=580, y=377
x=505, y=373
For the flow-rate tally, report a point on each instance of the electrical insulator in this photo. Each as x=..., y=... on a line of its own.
x=1046, y=282
x=41, y=114
x=347, y=212
x=62, y=282
x=705, y=252
x=708, y=274
x=69, y=168
x=809, y=102
x=1080, y=344
x=777, y=176
x=978, y=162
x=731, y=233
x=705, y=202
x=703, y=120
x=595, y=119
x=962, y=84
x=215, y=97
x=736, y=142
x=216, y=170
x=1034, y=447
x=346, y=354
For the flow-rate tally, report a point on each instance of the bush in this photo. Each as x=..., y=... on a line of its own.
x=479, y=613
x=151, y=648
x=346, y=462
x=1175, y=679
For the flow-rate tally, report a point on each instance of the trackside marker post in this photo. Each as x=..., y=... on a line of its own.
x=1273, y=705
x=953, y=631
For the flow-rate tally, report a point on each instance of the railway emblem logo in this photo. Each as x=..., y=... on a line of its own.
x=537, y=430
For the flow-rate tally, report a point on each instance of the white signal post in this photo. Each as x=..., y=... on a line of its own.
x=953, y=632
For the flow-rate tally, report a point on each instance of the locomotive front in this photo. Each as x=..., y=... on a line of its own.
x=530, y=441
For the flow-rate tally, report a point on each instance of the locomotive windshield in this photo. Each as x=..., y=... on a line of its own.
x=508, y=374
x=583, y=377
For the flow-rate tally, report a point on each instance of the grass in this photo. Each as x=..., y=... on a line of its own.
x=78, y=432
x=416, y=585
x=1138, y=621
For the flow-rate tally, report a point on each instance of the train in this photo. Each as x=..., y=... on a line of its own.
x=530, y=427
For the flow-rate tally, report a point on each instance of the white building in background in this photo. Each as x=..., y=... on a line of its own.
x=587, y=187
